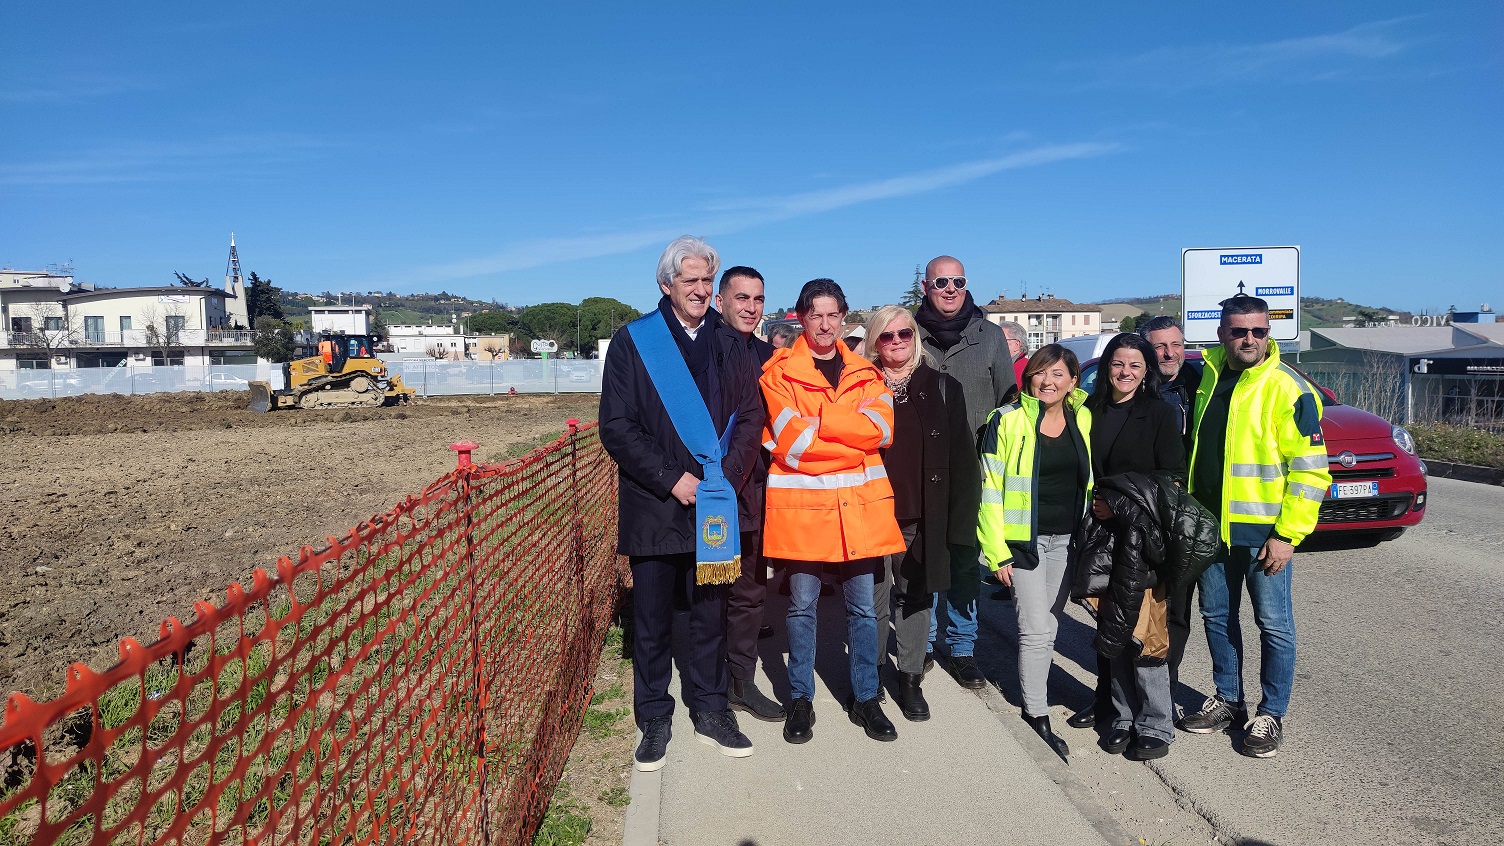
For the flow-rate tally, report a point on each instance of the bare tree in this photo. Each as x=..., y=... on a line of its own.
x=437, y=352
x=164, y=330
x=1378, y=385
x=494, y=349
x=51, y=329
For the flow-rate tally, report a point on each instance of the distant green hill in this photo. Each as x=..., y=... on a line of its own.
x=1315, y=312
x=394, y=308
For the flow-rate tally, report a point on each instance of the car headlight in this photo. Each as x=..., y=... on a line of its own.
x=1402, y=439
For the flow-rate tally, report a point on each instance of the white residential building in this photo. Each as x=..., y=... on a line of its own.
x=51, y=321
x=1047, y=318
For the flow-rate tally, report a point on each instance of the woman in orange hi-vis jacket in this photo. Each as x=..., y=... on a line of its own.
x=828, y=497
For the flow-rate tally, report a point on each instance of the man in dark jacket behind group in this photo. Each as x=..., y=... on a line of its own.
x=1177, y=386
x=740, y=301
x=658, y=478
x=966, y=346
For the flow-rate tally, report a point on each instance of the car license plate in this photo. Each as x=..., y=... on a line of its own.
x=1353, y=490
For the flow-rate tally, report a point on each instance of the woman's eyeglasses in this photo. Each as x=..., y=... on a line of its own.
x=904, y=334
x=943, y=282
x=1237, y=332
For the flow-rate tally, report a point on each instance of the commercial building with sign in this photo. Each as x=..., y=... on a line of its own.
x=1408, y=374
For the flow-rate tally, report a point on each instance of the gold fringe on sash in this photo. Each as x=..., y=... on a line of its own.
x=718, y=572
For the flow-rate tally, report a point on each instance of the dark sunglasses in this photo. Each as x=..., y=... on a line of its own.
x=943, y=282
x=904, y=334
x=1236, y=332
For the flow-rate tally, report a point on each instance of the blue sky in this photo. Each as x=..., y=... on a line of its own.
x=548, y=153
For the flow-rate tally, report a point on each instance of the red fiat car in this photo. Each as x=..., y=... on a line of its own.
x=1378, y=482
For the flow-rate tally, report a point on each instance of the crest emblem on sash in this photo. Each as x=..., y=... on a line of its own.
x=714, y=531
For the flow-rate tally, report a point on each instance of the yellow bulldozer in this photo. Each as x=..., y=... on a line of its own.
x=345, y=374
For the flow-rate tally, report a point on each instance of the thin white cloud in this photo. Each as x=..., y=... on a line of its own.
x=147, y=161
x=733, y=216
x=1304, y=59
x=71, y=87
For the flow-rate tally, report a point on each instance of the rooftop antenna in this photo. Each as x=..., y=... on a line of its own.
x=233, y=281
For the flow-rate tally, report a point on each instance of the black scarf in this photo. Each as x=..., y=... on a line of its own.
x=946, y=331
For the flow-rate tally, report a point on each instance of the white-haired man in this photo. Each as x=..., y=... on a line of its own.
x=681, y=414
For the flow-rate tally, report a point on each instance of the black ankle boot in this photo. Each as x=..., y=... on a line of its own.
x=744, y=696
x=1041, y=726
x=911, y=699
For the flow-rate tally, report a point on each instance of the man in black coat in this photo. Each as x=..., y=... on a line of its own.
x=658, y=478
x=1177, y=386
x=740, y=301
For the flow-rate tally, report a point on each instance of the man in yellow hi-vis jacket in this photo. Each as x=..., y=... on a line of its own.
x=1259, y=463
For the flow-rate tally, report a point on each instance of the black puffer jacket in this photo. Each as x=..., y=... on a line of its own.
x=1158, y=533
x=1117, y=560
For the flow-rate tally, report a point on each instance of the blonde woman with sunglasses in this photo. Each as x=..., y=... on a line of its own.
x=936, y=481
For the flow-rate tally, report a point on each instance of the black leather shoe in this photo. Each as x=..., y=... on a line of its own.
x=744, y=696
x=869, y=715
x=1084, y=718
x=1117, y=741
x=1041, y=726
x=967, y=673
x=929, y=662
x=1149, y=748
x=764, y=632
x=911, y=699
x=799, y=726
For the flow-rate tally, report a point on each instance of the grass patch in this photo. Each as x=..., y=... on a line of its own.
x=601, y=724
x=522, y=448
x=565, y=824
x=1459, y=444
x=616, y=797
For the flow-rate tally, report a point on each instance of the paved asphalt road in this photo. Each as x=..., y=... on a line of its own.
x=1396, y=727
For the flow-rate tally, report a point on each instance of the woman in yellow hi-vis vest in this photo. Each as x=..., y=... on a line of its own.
x=1036, y=484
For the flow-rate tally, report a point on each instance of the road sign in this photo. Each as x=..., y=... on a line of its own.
x=1209, y=275
x=545, y=346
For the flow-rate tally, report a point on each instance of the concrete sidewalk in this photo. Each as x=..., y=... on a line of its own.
x=969, y=775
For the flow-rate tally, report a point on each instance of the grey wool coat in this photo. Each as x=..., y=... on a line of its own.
x=980, y=361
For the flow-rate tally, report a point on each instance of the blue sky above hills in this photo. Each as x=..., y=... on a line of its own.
x=548, y=153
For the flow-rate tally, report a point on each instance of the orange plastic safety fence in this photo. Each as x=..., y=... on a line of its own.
x=421, y=680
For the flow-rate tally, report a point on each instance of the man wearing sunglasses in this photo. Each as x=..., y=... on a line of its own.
x=1259, y=463
x=975, y=352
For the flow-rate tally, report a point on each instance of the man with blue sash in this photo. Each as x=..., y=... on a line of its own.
x=681, y=414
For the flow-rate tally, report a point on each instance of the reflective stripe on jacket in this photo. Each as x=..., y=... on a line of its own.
x=1274, y=472
x=828, y=496
x=1010, y=451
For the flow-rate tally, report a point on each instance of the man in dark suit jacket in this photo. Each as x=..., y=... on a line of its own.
x=740, y=300
x=658, y=478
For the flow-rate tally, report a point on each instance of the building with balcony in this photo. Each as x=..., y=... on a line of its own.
x=1047, y=318
x=50, y=321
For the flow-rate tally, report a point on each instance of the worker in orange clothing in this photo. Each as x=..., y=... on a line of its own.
x=828, y=498
x=326, y=350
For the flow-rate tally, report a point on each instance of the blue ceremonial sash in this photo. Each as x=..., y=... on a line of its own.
x=718, y=540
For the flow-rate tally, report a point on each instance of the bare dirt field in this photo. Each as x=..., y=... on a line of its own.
x=117, y=512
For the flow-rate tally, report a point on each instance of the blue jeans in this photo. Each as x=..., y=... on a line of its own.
x=959, y=604
x=1221, y=592
x=861, y=626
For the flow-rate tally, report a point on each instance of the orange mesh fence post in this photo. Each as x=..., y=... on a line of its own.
x=420, y=680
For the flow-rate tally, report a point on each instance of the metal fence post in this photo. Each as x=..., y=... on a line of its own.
x=577, y=530
x=479, y=699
